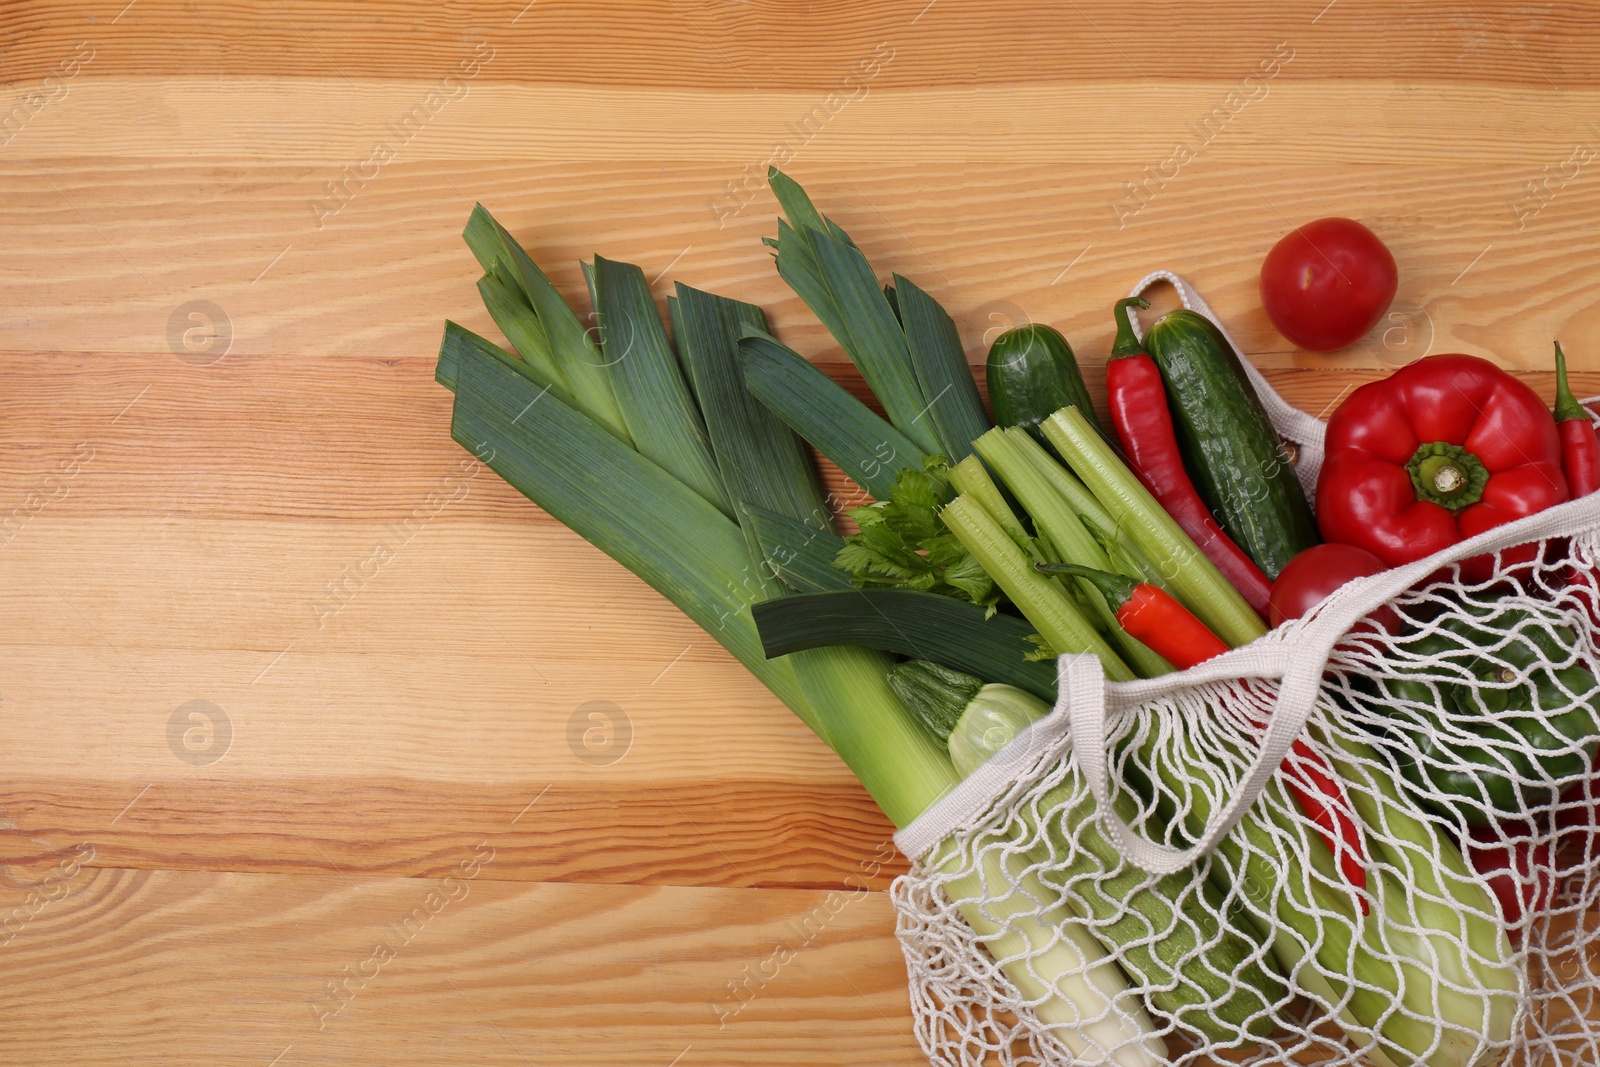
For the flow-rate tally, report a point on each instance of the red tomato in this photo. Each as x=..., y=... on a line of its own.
x=1328, y=283
x=1314, y=574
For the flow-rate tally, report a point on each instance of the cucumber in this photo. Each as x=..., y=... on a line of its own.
x=1032, y=373
x=1235, y=456
x=1215, y=979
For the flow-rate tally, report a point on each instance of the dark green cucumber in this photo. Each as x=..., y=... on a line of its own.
x=1032, y=373
x=1235, y=456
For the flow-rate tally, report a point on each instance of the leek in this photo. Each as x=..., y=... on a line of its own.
x=910, y=623
x=869, y=450
x=801, y=556
x=759, y=465
x=829, y=273
x=583, y=370
x=522, y=329
x=656, y=406
x=940, y=363
x=683, y=545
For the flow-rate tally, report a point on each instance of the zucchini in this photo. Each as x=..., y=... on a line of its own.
x=1033, y=373
x=1235, y=456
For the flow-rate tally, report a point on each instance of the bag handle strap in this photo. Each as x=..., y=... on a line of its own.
x=1296, y=653
x=1083, y=701
x=1303, y=429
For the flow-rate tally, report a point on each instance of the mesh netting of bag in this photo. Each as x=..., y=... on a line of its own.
x=1460, y=725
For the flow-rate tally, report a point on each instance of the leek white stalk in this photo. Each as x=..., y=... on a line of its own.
x=1063, y=971
x=1054, y=963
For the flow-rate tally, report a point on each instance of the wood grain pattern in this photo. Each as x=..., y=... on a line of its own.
x=770, y=44
x=745, y=833
x=100, y=258
x=182, y=524
x=145, y=967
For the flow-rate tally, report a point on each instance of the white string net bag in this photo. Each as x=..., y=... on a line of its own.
x=1133, y=880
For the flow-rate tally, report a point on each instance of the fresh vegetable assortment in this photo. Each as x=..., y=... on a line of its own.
x=918, y=645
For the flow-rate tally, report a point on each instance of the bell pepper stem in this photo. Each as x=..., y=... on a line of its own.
x=1447, y=475
x=1126, y=343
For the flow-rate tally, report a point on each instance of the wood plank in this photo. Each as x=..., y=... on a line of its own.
x=702, y=44
x=190, y=968
x=647, y=830
x=324, y=441
x=1354, y=121
x=103, y=256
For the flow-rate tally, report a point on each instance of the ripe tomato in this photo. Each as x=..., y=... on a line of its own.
x=1328, y=283
x=1314, y=574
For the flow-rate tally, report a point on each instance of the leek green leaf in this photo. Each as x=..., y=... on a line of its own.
x=660, y=414
x=864, y=446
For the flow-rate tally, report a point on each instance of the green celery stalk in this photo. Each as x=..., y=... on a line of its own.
x=1060, y=525
x=1044, y=602
x=1126, y=557
x=1192, y=577
x=970, y=477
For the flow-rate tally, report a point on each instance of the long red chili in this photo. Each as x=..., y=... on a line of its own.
x=1151, y=615
x=1138, y=402
x=1580, y=446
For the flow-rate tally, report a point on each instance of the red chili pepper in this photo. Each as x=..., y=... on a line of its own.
x=1443, y=449
x=1151, y=615
x=1138, y=402
x=1580, y=445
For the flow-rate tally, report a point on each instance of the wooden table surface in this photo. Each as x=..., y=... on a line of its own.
x=281, y=684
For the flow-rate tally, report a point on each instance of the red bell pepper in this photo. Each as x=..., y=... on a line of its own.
x=1580, y=446
x=1443, y=449
x=1138, y=402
